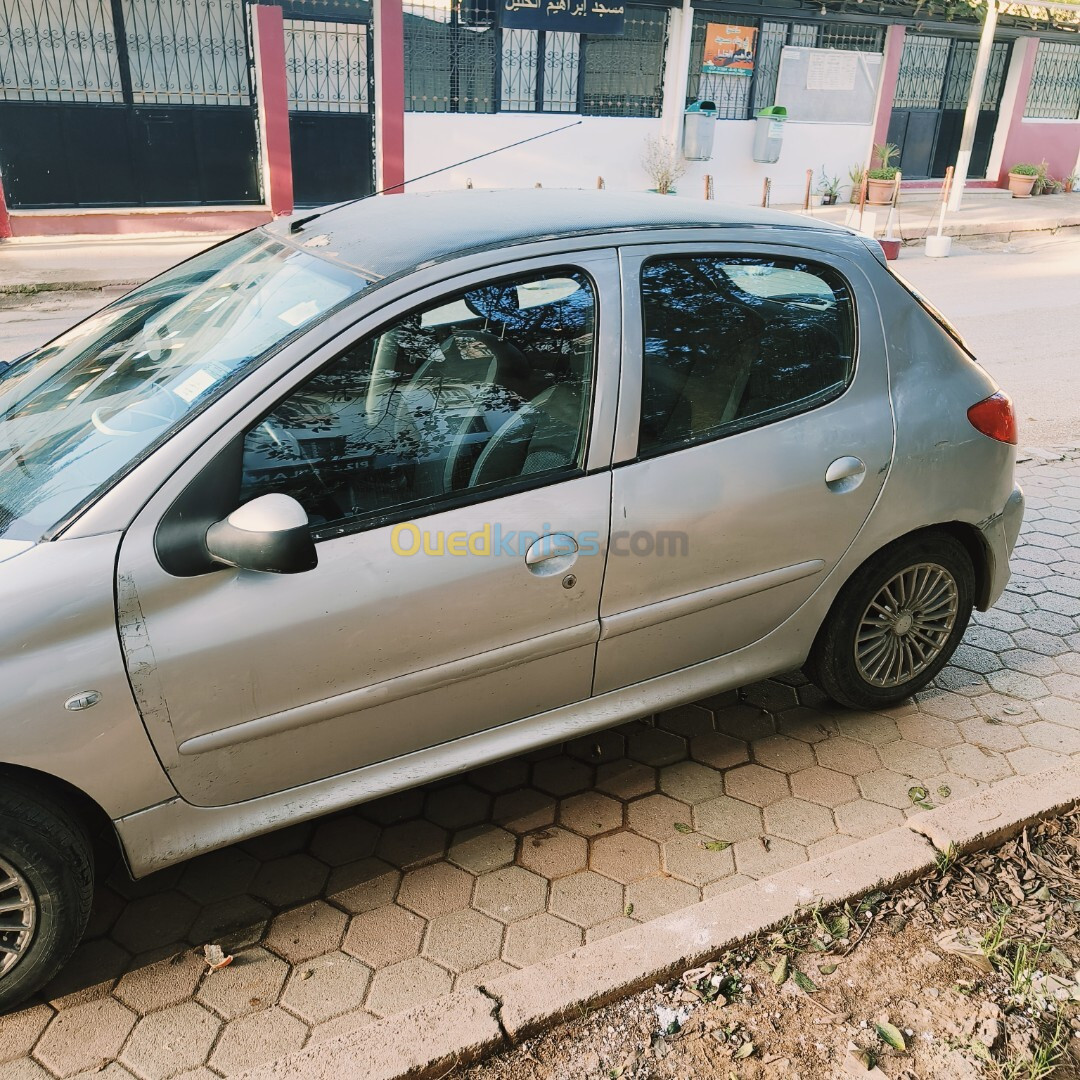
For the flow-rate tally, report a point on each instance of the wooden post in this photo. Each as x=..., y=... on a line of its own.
x=600, y=185
x=809, y=181
x=710, y=189
x=766, y=191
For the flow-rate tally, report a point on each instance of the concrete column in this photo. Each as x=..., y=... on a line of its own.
x=1012, y=102
x=389, y=27
x=890, y=76
x=676, y=70
x=272, y=100
x=5, y=219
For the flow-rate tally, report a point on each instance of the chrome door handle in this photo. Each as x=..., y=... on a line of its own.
x=552, y=554
x=845, y=474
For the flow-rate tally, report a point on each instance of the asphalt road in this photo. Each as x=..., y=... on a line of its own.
x=1017, y=304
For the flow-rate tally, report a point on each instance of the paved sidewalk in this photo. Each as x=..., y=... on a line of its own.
x=373, y=911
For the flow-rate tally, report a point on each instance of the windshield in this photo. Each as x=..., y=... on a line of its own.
x=78, y=412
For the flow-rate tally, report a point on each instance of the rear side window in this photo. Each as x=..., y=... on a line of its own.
x=734, y=342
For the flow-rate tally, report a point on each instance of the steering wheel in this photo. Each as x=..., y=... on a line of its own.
x=145, y=416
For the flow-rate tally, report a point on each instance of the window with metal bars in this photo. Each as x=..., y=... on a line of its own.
x=1054, y=93
x=739, y=98
x=458, y=60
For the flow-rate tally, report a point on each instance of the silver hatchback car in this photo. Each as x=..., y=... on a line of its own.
x=372, y=496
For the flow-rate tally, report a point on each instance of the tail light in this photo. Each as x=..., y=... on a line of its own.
x=994, y=417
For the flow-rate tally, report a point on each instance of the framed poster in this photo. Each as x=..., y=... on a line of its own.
x=729, y=49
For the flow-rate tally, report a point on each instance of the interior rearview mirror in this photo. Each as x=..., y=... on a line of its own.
x=269, y=534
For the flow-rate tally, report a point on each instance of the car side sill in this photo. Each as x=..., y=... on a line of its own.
x=165, y=834
x=417, y=682
x=626, y=622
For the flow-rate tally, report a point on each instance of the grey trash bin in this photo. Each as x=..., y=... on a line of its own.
x=699, y=129
x=769, y=133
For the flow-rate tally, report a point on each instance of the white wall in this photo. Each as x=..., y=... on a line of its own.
x=612, y=148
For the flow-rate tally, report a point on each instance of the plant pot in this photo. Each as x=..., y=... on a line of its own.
x=1021, y=185
x=879, y=192
x=828, y=200
x=891, y=249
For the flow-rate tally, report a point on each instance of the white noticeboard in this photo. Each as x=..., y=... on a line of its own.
x=828, y=86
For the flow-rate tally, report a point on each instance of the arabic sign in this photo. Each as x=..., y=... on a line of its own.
x=729, y=49
x=575, y=16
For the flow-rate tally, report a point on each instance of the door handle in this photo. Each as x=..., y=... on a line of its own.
x=845, y=474
x=552, y=554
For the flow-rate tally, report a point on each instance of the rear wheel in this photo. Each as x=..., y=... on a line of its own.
x=46, y=886
x=895, y=623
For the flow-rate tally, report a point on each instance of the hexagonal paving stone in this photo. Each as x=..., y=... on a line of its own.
x=910, y=759
x=756, y=784
x=169, y=1041
x=561, y=776
x=436, y=890
x=218, y=875
x=870, y=727
x=586, y=898
x=690, y=782
x=535, y=939
x=393, y=809
x=799, y=821
x=864, y=818
x=291, y=879
x=1057, y=737
x=255, y=1039
x=482, y=848
x=625, y=779
x=463, y=940
x=806, y=724
x=783, y=753
x=687, y=858
x=745, y=722
x=600, y=746
x=609, y=928
x=347, y=1024
x=553, y=852
x=411, y=844
x=656, y=896
x=152, y=921
x=510, y=894
x=1033, y=759
x=976, y=762
x=234, y=923
x=719, y=751
x=1065, y=685
x=166, y=981
x=945, y=706
x=91, y=973
x=344, y=839
x=823, y=786
x=1058, y=710
x=406, y=985
x=995, y=735
x=84, y=1037
x=686, y=720
x=384, y=936
x=656, y=816
x=847, y=755
x=755, y=860
x=728, y=819
x=624, y=857
x=249, y=984
x=363, y=885
x=770, y=695
x=725, y=885
x=1017, y=684
x=307, y=931
x=457, y=806
x=929, y=731
x=523, y=811
x=20, y=1030
x=507, y=775
x=654, y=746
x=888, y=787
x=590, y=813
x=280, y=842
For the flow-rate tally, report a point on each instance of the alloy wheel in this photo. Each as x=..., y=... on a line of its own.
x=18, y=916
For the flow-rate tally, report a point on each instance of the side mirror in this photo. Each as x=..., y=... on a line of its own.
x=269, y=534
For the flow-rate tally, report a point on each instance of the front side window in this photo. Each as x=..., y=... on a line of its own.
x=733, y=342
x=84, y=408
x=484, y=391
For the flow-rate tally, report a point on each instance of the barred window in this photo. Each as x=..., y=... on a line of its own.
x=458, y=60
x=738, y=97
x=1054, y=93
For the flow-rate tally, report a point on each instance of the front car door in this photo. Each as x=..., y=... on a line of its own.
x=754, y=436
x=453, y=457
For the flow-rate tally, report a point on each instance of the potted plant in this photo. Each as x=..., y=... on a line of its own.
x=662, y=161
x=829, y=188
x=1072, y=182
x=856, y=174
x=882, y=180
x=1022, y=177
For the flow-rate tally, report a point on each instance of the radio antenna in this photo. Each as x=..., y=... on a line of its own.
x=296, y=226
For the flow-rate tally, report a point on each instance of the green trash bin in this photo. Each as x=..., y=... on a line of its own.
x=769, y=133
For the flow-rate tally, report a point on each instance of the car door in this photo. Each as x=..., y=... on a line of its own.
x=454, y=463
x=754, y=436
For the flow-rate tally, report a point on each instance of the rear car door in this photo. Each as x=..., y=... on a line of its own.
x=755, y=433
x=454, y=462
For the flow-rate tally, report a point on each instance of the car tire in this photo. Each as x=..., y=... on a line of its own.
x=46, y=888
x=896, y=623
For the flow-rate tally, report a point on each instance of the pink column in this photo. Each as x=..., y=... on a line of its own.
x=890, y=75
x=272, y=99
x=389, y=96
x=5, y=219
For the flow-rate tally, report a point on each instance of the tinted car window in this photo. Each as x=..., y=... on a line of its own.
x=484, y=389
x=735, y=342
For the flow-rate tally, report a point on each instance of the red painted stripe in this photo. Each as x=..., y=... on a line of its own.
x=390, y=96
x=5, y=220
x=272, y=92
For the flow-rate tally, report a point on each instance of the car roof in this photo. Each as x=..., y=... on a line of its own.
x=388, y=235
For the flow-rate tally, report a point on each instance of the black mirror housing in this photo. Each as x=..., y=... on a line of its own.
x=269, y=534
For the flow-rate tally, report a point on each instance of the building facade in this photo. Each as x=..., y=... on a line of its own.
x=201, y=114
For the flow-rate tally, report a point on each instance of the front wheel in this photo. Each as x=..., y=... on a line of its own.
x=896, y=623
x=46, y=886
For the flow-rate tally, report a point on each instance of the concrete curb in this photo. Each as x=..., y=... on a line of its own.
x=428, y=1041
x=35, y=288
